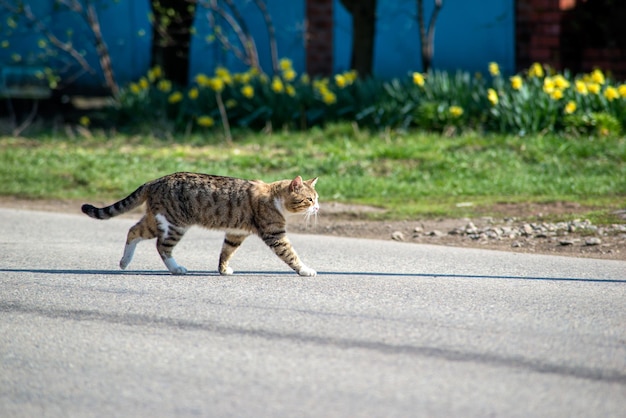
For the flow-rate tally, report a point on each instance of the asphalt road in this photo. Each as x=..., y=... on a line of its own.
x=386, y=329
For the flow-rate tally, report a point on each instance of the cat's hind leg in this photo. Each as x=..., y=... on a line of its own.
x=144, y=229
x=168, y=236
x=232, y=241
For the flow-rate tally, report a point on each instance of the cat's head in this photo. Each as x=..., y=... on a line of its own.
x=301, y=197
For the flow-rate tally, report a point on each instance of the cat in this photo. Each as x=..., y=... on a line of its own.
x=240, y=207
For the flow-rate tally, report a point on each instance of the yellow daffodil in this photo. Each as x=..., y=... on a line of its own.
x=597, y=76
x=134, y=88
x=206, y=121
x=492, y=96
x=164, y=85
x=516, y=82
x=593, y=88
x=175, y=97
x=561, y=82
x=216, y=84
x=611, y=93
x=329, y=97
x=42, y=43
x=247, y=91
x=277, y=85
x=548, y=85
x=418, y=78
x=154, y=73
x=570, y=107
x=305, y=79
x=456, y=111
x=289, y=75
x=581, y=87
x=230, y=103
x=203, y=80
x=351, y=76
x=5, y=44
x=622, y=90
x=223, y=74
x=84, y=121
x=556, y=94
x=193, y=93
x=494, y=69
x=340, y=81
x=536, y=70
x=285, y=64
x=143, y=83
x=290, y=90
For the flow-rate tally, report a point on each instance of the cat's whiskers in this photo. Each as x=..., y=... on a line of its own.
x=307, y=216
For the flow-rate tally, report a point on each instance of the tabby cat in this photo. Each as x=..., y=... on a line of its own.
x=240, y=207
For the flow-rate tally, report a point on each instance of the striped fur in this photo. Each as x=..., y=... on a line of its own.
x=240, y=207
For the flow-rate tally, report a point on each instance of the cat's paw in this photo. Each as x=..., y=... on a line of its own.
x=174, y=267
x=124, y=263
x=227, y=271
x=307, y=271
x=178, y=270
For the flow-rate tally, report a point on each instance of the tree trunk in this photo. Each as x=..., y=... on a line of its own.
x=363, y=31
x=427, y=34
x=171, y=37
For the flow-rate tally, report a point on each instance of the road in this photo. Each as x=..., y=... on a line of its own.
x=386, y=329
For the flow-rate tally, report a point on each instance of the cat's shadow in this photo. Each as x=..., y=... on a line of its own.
x=290, y=274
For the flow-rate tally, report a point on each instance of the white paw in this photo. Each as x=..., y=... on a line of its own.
x=307, y=271
x=174, y=267
x=227, y=271
x=178, y=270
x=124, y=263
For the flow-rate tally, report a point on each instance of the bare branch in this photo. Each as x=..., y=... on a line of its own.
x=250, y=56
x=271, y=32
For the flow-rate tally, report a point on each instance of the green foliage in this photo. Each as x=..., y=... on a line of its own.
x=534, y=101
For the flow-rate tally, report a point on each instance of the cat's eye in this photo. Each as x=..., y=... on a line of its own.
x=310, y=199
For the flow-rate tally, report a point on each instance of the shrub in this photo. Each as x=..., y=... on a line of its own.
x=537, y=100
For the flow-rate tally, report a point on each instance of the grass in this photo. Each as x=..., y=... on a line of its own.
x=410, y=174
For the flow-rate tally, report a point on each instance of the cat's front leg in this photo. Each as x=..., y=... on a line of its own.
x=280, y=244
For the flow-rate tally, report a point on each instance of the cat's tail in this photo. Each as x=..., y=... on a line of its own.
x=135, y=199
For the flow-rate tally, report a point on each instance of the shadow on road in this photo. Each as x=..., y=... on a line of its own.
x=321, y=273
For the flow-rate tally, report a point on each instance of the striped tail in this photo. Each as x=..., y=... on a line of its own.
x=135, y=199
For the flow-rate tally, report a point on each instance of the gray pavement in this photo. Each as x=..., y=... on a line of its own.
x=386, y=329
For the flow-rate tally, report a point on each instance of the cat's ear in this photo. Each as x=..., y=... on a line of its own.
x=312, y=182
x=296, y=184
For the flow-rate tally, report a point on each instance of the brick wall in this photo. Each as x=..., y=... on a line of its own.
x=542, y=36
x=319, y=37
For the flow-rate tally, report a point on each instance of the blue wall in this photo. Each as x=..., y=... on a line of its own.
x=469, y=34
x=125, y=28
x=288, y=18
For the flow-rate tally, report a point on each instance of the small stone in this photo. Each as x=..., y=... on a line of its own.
x=436, y=233
x=516, y=244
x=397, y=236
x=418, y=230
x=527, y=229
x=566, y=242
x=593, y=241
x=470, y=228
